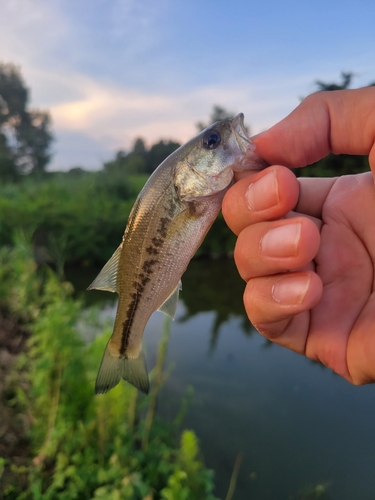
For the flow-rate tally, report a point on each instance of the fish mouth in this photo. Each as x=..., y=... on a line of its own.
x=244, y=149
x=240, y=133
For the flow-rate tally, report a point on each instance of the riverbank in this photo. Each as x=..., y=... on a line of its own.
x=58, y=440
x=14, y=426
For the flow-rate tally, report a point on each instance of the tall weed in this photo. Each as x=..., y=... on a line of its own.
x=86, y=446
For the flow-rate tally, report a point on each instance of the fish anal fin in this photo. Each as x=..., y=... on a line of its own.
x=169, y=306
x=107, y=278
x=112, y=368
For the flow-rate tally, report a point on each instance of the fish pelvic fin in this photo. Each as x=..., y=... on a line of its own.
x=133, y=370
x=107, y=278
x=169, y=306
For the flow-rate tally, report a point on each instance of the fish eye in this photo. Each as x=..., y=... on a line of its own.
x=211, y=139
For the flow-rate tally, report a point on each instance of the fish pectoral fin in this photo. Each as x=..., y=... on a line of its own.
x=133, y=370
x=107, y=278
x=169, y=306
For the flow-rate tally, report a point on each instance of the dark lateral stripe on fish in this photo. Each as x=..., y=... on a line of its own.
x=139, y=287
x=157, y=243
x=171, y=208
x=162, y=230
x=143, y=278
x=127, y=323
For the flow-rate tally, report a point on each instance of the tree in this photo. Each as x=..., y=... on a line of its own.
x=125, y=164
x=158, y=153
x=218, y=113
x=346, y=81
x=7, y=167
x=25, y=134
x=139, y=147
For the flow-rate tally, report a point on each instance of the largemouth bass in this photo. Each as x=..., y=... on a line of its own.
x=168, y=222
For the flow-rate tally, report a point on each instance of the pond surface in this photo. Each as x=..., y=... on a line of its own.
x=295, y=424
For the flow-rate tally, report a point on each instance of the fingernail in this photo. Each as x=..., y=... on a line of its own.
x=291, y=290
x=282, y=241
x=263, y=193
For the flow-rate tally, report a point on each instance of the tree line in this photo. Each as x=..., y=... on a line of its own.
x=26, y=137
x=79, y=216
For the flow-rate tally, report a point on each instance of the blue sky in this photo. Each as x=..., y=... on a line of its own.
x=112, y=70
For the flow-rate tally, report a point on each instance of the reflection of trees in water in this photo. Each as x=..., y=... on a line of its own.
x=214, y=286
x=209, y=285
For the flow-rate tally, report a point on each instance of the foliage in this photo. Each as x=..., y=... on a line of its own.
x=218, y=113
x=132, y=163
x=25, y=134
x=188, y=477
x=346, y=77
x=346, y=81
x=213, y=278
x=80, y=217
x=77, y=219
x=312, y=492
x=141, y=160
x=85, y=446
x=335, y=165
x=158, y=152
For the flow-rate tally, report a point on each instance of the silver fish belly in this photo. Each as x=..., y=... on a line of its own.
x=167, y=224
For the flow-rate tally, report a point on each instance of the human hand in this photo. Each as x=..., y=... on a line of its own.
x=306, y=247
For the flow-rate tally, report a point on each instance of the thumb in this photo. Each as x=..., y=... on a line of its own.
x=340, y=122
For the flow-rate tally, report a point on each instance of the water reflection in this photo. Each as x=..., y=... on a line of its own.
x=214, y=286
x=295, y=423
x=209, y=285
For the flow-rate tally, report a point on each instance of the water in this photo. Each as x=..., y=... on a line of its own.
x=296, y=424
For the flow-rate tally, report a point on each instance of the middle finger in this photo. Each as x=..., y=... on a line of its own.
x=268, y=248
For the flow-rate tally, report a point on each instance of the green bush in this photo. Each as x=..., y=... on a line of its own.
x=84, y=446
x=76, y=219
x=81, y=218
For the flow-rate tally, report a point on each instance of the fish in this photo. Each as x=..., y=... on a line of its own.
x=168, y=222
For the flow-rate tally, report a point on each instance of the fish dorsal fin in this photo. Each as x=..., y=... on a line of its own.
x=107, y=278
x=169, y=306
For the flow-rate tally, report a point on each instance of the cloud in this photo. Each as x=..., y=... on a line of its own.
x=30, y=29
x=107, y=75
x=112, y=116
x=132, y=18
x=109, y=116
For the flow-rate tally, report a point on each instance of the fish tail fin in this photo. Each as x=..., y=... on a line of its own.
x=112, y=368
x=134, y=370
x=109, y=373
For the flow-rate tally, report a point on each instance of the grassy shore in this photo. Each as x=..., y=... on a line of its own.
x=69, y=443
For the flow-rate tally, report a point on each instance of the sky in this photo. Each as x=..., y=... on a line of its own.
x=109, y=71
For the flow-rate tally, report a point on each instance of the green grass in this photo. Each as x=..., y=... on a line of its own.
x=112, y=446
